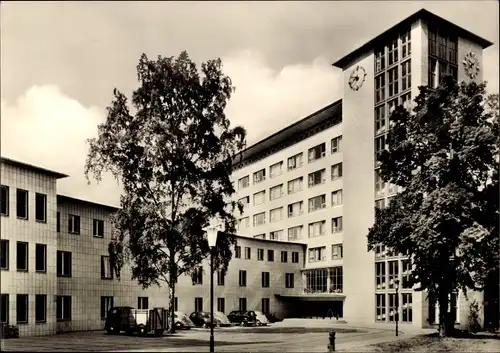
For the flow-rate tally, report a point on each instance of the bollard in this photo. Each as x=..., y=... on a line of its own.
x=331, y=346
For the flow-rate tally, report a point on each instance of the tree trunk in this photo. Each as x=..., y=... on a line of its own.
x=446, y=324
x=171, y=285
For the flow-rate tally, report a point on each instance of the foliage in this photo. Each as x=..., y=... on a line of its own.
x=474, y=325
x=444, y=155
x=173, y=157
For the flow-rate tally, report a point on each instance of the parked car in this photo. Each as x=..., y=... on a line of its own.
x=260, y=318
x=223, y=319
x=271, y=317
x=241, y=318
x=202, y=319
x=130, y=320
x=182, y=321
x=9, y=331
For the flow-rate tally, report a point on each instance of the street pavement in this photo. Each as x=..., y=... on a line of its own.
x=291, y=335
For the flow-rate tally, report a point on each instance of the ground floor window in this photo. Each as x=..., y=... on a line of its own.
x=22, y=308
x=63, y=308
x=381, y=307
x=265, y=305
x=243, y=304
x=393, y=307
x=221, y=305
x=106, y=305
x=453, y=307
x=40, y=308
x=142, y=303
x=407, y=311
x=198, y=304
x=4, y=308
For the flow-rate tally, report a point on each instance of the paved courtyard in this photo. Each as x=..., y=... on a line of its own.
x=289, y=336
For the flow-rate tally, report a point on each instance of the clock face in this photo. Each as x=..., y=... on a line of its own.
x=357, y=78
x=471, y=64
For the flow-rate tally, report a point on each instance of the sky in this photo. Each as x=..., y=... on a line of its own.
x=60, y=62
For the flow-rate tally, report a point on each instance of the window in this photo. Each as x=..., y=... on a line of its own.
x=337, y=252
x=295, y=233
x=276, y=169
x=452, y=50
x=405, y=44
x=22, y=308
x=64, y=263
x=316, y=178
x=260, y=254
x=40, y=308
x=259, y=176
x=380, y=251
x=317, y=203
x=176, y=304
x=380, y=59
x=265, y=306
x=391, y=105
x=433, y=73
x=198, y=304
x=248, y=253
x=243, y=182
x=317, y=254
x=245, y=201
x=276, y=214
x=393, y=273
x=393, y=307
x=380, y=310
x=393, y=52
x=432, y=42
x=284, y=256
x=142, y=303
x=295, y=185
x=260, y=236
x=379, y=88
x=407, y=307
x=379, y=185
x=405, y=75
x=243, y=304
x=58, y=223
x=379, y=147
x=106, y=272
x=4, y=308
x=259, y=219
x=406, y=272
x=380, y=204
x=295, y=257
x=317, y=152
x=243, y=278
x=244, y=223
x=336, y=225
x=106, y=305
x=336, y=142
x=197, y=275
x=295, y=161
x=276, y=192
x=393, y=82
x=336, y=171
x=4, y=200
x=406, y=101
x=4, y=254
x=316, y=280
x=98, y=228
x=40, y=207
x=317, y=229
x=295, y=209
x=393, y=188
x=380, y=275
x=221, y=278
x=289, y=280
x=221, y=305
x=265, y=279
x=22, y=203
x=259, y=197
x=336, y=279
x=380, y=121
x=74, y=224
x=276, y=235
x=22, y=256
x=270, y=255
x=40, y=258
x=237, y=252
x=337, y=198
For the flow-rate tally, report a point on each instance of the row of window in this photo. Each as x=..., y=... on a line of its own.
x=74, y=225
x=324, y=280
x=388, y=85
x=315, y=153
x=388, y=307
x=64, y=260
x=443, y=56
x=399, y=48
x=319, y=253
x=270, y=254
x=197, y=278
x=388, y=274
x=63, y=307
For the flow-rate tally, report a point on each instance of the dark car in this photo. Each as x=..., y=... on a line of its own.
x=8, y=331
x=271, y=317
x=242, y=318
x=130, y=320
x=202, y=319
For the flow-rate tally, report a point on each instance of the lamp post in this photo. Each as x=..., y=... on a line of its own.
x=212, y=233
x=396, y=284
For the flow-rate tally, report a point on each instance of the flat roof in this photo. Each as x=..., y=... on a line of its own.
x=331, y=111
x=87, y=202
x=421, y=14
x=265, y=240
x=33, y=168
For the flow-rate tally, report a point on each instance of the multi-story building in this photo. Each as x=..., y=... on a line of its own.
x=316, y=181
x=310, y=192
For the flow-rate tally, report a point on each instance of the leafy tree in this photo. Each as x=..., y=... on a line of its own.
x=173, y=157
x=444, y=155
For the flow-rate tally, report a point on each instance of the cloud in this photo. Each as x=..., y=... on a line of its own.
x=46, y=127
